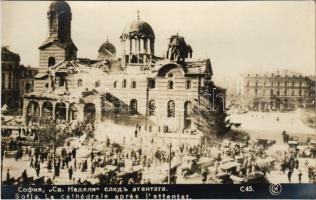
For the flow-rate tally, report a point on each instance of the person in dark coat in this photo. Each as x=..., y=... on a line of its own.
x=300, y=176
x=49, y=165
x=24, y=177
x=136, y=133
x=70, y=172
x=92, y=155
x=38, y=168
x=8, y=174
x=32, y=162
x=289, y=175
x=74, y=152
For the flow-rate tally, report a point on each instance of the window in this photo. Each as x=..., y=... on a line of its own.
x=2, y=80
x=188, y=84
x=171, y=109
x=151, y=83
x=271, y=92
x=79, y=82
x=278, y=84
x=97, y=83
x=256, y=92
x=133, y=84
x=152, y=108
x=10, y=80
x=293, y=93
x=278, y=92
x=264, y=92
x=293, y=84
x=285, y=92
x=256, y=84
x=248, y=84
x=61, y=82
x=124, y=83
x=51, y=61
x=170, y=85
x=300, y=92
x=285, y=84
x=115, y=84
x=133, y=107
x=170, y=75
x=264, y=84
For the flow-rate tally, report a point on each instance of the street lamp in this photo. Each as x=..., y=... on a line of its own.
x=169, y=176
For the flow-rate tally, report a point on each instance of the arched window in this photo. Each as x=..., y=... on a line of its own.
x=133, y=107
x=115, y=84
x=51, y=61
x=187, y=109
x=79, y=82
x=152, y=108
x=188, y=84
x=133, y=84
x=170, y=85
x=97, y=83
x=151, y=83
x=171, y=109
x=124, y=83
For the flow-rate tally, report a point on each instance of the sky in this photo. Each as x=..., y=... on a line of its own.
x=238, y=37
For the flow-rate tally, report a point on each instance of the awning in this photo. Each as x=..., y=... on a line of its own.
x=292, y=142
x=236, y=178
x=229, y=165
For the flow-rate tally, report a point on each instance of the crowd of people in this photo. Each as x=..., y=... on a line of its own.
x=129, y=162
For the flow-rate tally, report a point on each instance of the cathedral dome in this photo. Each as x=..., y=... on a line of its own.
x=106, y=50
x=59, y=6
x=140, y=28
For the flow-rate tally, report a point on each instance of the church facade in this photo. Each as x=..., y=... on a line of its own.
x=136, y=86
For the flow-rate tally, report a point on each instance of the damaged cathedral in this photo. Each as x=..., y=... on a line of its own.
x=135, y=86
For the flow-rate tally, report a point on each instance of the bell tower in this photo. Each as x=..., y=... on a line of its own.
x=58, y=45
x=59, y=21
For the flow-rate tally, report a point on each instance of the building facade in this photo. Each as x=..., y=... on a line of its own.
x=10, y=63
x=283, y=91
x=26, y=81
x=16, y=79
x=137, y=86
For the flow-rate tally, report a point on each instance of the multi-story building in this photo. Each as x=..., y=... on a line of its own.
x=277, y=91
x=26, y=80
x=136, y=86
x=16, y=79
x=10, y=63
